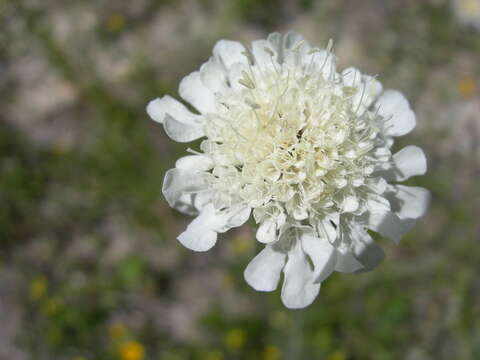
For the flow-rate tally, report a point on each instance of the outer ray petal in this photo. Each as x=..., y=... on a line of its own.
x=263, y=272
x=298, y=290
x=229, y=52
x=179, y=182
x=322, y=254
x=193, y=90
x=409, y=202
x=399, y=118
x=408, y=162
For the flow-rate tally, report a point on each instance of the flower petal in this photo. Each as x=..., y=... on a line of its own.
x=296, y=49
x=159, y=107
x=327, y=227
x=365, y=250
x=229, y=52
x=178, y=182
x=292, y=39
x=214, y=75
x=194, y=163
x=234, y=217
x=182, y=131
x=275, y=39
x=322, y=254
x=389, y=225
x=199, y=235
x=193, y=90
x=408, y=162
x=399, y=119
x=346, y=261
x=298, y=290
x=267, y=231
x=409, y=202
x=263, y=272
x=262, y=58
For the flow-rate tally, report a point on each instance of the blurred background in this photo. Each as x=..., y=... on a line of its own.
x=89, y=264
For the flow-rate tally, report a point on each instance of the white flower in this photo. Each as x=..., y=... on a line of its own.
x=304, y=148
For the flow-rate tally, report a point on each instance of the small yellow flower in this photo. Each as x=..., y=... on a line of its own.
x=117, y=331
x=272, y=352
x=132, y=350
x=337, y=355
x=38, y=287
x=235, y=339
x=215, y=355
x=51, y=306
x=116, y=22
x=466, y=87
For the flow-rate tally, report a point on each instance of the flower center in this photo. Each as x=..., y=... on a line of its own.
x=291, y=137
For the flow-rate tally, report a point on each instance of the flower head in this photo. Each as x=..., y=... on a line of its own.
x=303, y=148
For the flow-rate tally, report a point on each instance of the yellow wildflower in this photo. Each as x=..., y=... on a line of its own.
x=272, y=352
x=235, y=339
x=38, y=287
x=214, y=355
x=466, y=87
x=132, y=350
x=116, y=22
x=337, y=355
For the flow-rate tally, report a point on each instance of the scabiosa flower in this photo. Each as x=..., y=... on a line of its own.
x=303, y=148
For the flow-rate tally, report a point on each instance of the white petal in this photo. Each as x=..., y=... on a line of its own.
x=298, y=290
x=276, y=45
x=350, y=203
x=408, y=162
x=373, y=87
x=214, y=75
x=229, y=52
x=365, y=250
x=322, y=254
x=292, y=39
x=327, y=227
x=409, y=202
x=296, y=50
x=159, y=107
x=262, y=57
x=368, y=88
x=377, y=203
x=182, y=131
x=186, y=204
x=178, y=182
x=236, y=216
x=263, y=272
x=199, y=235
x=322, y=61
x=389, y=225
x=194, y=163
x=193, y=90
x=399, y=119
x=267, y=231
x=346, y=261
x=352, y=77
x=235, y=74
